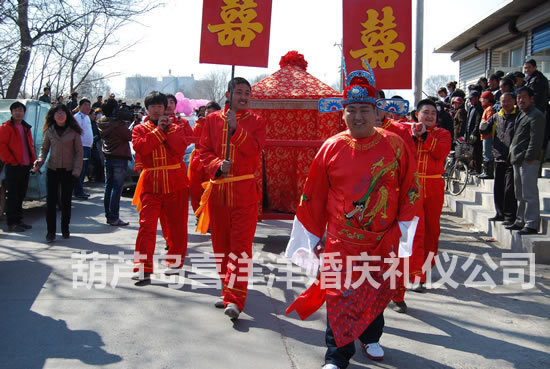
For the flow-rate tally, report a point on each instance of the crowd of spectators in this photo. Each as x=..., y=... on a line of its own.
x=506, y=119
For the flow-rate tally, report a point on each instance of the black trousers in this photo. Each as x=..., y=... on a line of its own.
x=59, y=178
x=17, y=181
x=340, y=356
x=504, y=196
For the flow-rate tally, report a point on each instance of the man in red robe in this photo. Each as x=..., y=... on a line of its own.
x=188, y=131
x=433, y=145
x=196, y=172
x=229, y=203
x=362, y=192
x=162, y=186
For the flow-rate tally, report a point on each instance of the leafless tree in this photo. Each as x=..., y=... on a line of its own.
x=139, y=86
x=432, y=83
x=215, y=85
x=258, y=78
x=41, y=22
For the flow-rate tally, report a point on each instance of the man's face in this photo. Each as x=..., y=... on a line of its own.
x=155, y=111
x=504, y=88
x=241, y=97
x=18, y=114
x=209, y=110
x=519, y=81
x=474, y=100
x=360, y=119
x=171, y=107
x=442, y=94
x=47, y=92
x=507, y=102
x=99, y=98
x=493, y=84
x=427, y=115
x=528, y=69
x=85, y=108
x=525, y=101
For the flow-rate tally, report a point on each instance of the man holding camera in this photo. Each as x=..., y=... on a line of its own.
x=162, y=187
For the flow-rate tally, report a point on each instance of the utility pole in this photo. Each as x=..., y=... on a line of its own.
x=419, y=48
x=342, y=76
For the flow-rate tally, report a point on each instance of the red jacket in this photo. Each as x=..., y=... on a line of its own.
x=154, y=148
x=246, y=146
x=11, y=151
x=432, y=149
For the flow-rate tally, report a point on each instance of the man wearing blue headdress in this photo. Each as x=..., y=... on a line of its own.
x=361, y=192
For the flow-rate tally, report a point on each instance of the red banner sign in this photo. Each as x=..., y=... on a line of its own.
x=379, y=31
x=235, y=32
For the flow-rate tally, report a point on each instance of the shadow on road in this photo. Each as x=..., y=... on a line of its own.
x=28, y=339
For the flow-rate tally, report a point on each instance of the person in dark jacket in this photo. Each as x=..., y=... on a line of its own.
x=473, y=136
x=539, y=83
x=47, y=96
x=17, y=153
x=116, y=149
x=460, y=118
x=73, y=102
x=502, y=124
x=444, y=119
x=525, y=156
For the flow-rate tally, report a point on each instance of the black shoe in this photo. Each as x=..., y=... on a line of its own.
x=26, y=226
x=507, y=222
x=400, y=307
x=513, y=227
x=496, y=218
x=140, y=277
x=81, y=197
x=66, y=234
x=50, y=237
x=15, y=228
x=419, y=287
x=527, y=230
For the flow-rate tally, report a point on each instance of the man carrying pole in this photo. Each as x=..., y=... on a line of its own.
x=230, y=147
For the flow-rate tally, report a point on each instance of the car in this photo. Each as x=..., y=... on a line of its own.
x=35, y=115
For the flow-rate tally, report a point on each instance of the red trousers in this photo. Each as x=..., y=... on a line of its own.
x=197, y=175
x=426, y=238
x=232, y=230
x=174, y=208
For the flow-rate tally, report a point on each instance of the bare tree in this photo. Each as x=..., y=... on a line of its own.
x=258, y=78
x=215, y=85
x=94, y=84
x=138, y=86
x=38, y=20
x=432, y=83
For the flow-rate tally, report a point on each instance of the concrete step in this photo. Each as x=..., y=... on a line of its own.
x=487, y=184
x=476, y=206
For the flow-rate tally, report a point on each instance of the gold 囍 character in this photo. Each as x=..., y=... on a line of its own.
x=378, y=37
x=237, y=27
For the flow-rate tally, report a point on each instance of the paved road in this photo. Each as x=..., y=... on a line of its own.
x=171, y=323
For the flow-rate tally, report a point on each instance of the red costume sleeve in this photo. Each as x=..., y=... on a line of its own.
x=409, y=191
x=207, y=150
x=144, y=141
x=250, y=142
x=311, y=211
x=437, y=143
x=175, y=140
